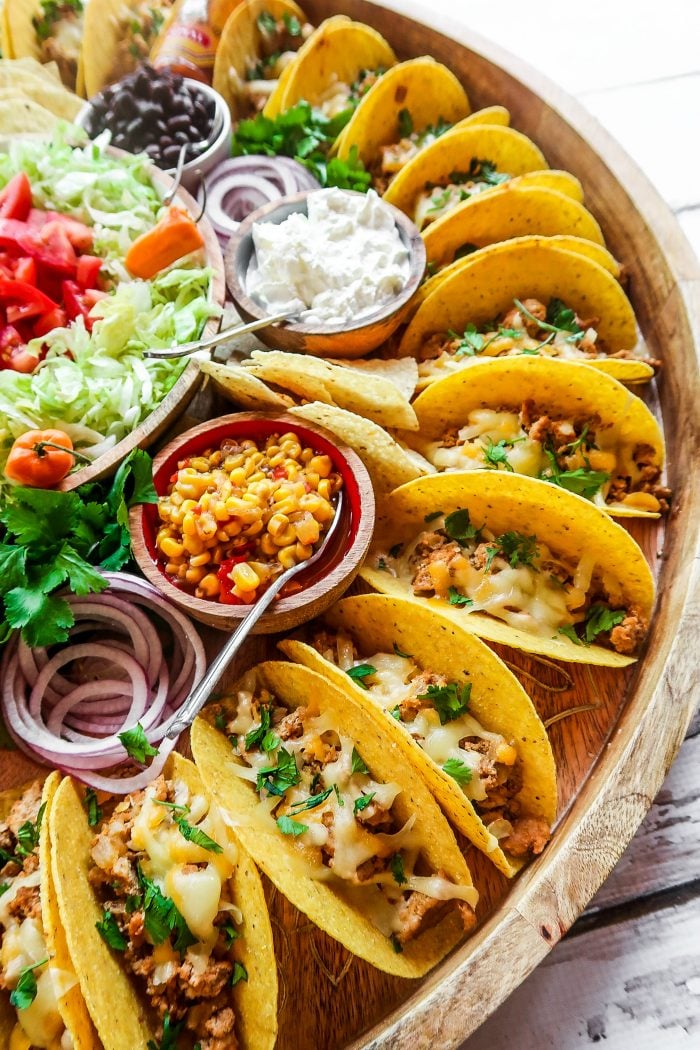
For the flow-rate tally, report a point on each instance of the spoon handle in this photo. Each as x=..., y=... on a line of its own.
x=218, y=337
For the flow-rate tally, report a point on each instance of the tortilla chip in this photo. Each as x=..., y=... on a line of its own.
x=568, y=524
x=487, y=283
x=370, y=395
x=402, y=373
x=568, y=389
x=337, y=51
x=284, y=864
x=510, y=151
x=425, y=89
x=378, y=623
x=388, y=463
x=21, y=116
x=41, y=90
x=511, y=210
x=238, y=385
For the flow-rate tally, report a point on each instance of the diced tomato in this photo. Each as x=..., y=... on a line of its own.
x=88, y=271
x=50, y=247
x=25, y=270
x=226, y=595
x=14, y=353
x=54, y=319
x=78, y=233
x=79, y=303
x=22, y=301
x=16, y=198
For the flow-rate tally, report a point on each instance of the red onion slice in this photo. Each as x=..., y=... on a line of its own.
x=75, y=725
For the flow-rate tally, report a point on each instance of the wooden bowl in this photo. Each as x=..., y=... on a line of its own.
x=323, y=583
x=178, y=398
x=341, y=341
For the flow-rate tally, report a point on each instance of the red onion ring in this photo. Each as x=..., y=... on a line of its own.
x=76, y=726
x=240, y=185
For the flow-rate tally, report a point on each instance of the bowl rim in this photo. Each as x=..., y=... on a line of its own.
x=248, y=305
x=346, y=558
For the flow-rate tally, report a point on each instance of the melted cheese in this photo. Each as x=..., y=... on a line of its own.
x=434, y=202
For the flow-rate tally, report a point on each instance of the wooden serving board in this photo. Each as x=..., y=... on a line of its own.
x=611, y=760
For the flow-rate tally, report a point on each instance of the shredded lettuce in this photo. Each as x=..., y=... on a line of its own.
x=97, y=386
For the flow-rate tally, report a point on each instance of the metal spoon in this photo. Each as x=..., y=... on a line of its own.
x=218, y=337
x=202, y=691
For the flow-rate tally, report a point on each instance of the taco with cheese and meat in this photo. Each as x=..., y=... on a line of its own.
x=333, y=69
x=529, y=297
x=165, y=917
x=259, y=40
x=40, y=1000
x=117, y=38
x=452, y=709
x=560, y=421
x=49, y=31
x=516, y=561
x=336, y=819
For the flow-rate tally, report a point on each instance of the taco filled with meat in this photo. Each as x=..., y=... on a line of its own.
x=462, y=164
x=117, y=38
x=49, y=31
x=333, y=69
x=527, y=297
x=453, y=709
x=335, y=818
x=40, y=1000
x=516, y=561
x=559, y=421
x=259, y=40
x=165, y=917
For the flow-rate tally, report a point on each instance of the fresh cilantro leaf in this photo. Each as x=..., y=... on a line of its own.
x=405, y=656
x=359, y=672
x=161, y=917
x=601, y=619
x=239, y=974
x=81, y=576
x=136, y=744
x=170, y=1035
x=4, y=887
x=266, y=22
x=108, y=929
x=440, y=200
x=230, y=933
x=396, y=713
x=516, y=548
x=450, y=701
x=339, y=797
x=24, y=993
x=569, y=631
x=358, y=762
x=562, y=317
x=497, y=454
x=363, y=802
x=44, y=619
x=311, y=802
x=196, y=835
x=220, y=721
x=397, y=869
x=176, y=807
x=132, y=903
x=292, y=24
x=255, y=737
x=471, y=342
x=584, y=440
x=580, y=481
x=549, y=326
x=12, y=567
x=133, y=483
x=93, y=809
x=433, y=516
x=458, y=526
x=270, y=741
x=455, y=598
x=28, y=834
x=39, y=516
x=291, y=827
x=277, y=779
x=458, y=770
x=405, y=123
x=396, y=944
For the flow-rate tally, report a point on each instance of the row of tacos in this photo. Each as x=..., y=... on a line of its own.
x=340, y=771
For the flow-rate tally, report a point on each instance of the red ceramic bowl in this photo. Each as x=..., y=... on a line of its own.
x=323, y=583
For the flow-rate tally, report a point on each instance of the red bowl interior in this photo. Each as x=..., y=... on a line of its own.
x=257, y=430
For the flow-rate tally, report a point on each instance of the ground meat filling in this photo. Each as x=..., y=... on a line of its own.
x=195, y=994
x=15, y=860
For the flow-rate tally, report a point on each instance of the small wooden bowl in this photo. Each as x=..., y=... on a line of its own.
x=179, y=397
x=323, y=583
x=341, y=341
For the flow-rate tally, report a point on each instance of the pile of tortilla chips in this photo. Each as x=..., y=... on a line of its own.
x=32, y=97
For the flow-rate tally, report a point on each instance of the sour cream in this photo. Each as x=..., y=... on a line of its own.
x=339, y=263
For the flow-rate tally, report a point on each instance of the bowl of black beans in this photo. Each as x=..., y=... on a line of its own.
x=156, y=112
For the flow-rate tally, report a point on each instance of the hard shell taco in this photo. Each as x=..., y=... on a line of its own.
x=335, y=818
x=165, y=917
x=560, y=421
x=117, y=37
x=526, y=297
x=49, y=31
x=453, y=709
x=333, y=69
x=40, y=1002
x=518, y=562
x=259, y=41
x=465, y=162
x=408, y=108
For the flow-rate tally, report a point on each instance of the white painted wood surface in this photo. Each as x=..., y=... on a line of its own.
x=628, y=975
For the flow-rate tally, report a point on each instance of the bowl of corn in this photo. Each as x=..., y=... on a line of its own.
x=242, y=498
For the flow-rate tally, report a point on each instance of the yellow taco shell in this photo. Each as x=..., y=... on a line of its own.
x=285, y=865
x=568, y=524
x=378, y=623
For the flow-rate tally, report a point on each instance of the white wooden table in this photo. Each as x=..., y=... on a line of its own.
x=627, y=976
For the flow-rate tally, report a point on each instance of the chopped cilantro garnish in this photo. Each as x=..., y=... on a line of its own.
x=433, y=516
x=339, y=797
x=397, y=869
x=161, y=917
x=601, y=619
x=455, y=598
x=277, y=779
x=291, y=827
x=267, y=23
x=516, y=548
x=359, y=672
x=239, y=974
x=291, y=24
x=450, y=701
x=270, y=742
x=358, y=763
x=396, y=713
x=109, y=931
x=255, y=736
x=94, y=811
x=220, y=721
x=363, y=802
x=136, y=744
x=458, y=770
x=311, y=802
x=405, y=123
x=405, y=656
x=196, y=835
x=170, y=1035
x=440, y=200
x=471, y=342
x=4, y=887
x=497, y=454
x=563, y=318
x=396, y=944
x=24, y=992
x=28, y=834
x=569, y=631
x=458, y=527
x=230, y=933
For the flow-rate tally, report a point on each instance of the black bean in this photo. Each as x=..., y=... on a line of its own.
x=164, y=141
x=142, y=85
x=124, y=106
x=171, y=154
x=181, y=137
x=119, y=141
x=162, y=93
x=179, y=123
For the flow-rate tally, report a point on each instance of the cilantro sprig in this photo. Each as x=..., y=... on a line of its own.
x=450, y=700
x=600, y=619
x=360, y=672
x=24, y=992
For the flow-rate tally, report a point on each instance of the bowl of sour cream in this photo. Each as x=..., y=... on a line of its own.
x=344, y=264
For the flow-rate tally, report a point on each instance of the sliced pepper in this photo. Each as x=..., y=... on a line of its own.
x=175, y=236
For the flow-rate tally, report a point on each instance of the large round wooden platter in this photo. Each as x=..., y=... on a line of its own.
x=613, y=755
